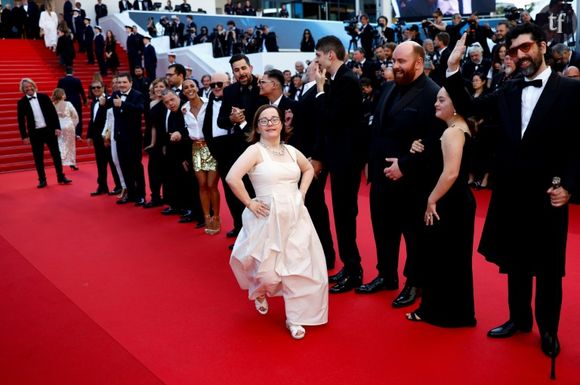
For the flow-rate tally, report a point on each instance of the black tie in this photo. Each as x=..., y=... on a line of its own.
x=122, y=94
x=535, y=83
x=31, y=97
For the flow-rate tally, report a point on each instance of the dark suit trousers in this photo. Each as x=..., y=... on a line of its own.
x=393, y=216
x=38, y=138
x=548, y=300
x=104, y=158
x=155, y=169
x=150, y=71
x=102, y=64
x=344, y=186
x=179, y=187
x=90, y=52
x=132, y=168
x=316, y=205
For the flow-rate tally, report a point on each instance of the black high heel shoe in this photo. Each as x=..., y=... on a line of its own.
x=74, y=168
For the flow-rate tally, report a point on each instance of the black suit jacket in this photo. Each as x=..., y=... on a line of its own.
x=147, y=5
x=100, y=46
x=307, y=130
x=125, y=7
x=26, y=122
x=97, y=123
x=271, y=42
x=522, y=230
x=89, y=35
x=128, y=117
x=100, y=11
x=397, y=122
x=150, y=58
x=438, y=74
x=73, y=88
x=341, y=111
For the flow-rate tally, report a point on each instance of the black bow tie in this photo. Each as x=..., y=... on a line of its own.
x=217, y=99
x=534, y=83
x=122, y=94
x=31, y=97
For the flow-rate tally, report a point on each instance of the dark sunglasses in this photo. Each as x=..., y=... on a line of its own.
x=216, y=84
x=96, y=87
x=524, y=47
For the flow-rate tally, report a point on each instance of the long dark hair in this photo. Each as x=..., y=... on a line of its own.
x=254, y=136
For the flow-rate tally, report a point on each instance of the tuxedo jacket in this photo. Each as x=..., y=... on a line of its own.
x=340, y=110
x=100, y=11
x=26, y=122
x=97, y=122
x=125, y=6
x=74, y=90
x=100, y=46
x=89, y=35
x=307, y=127
x=400, y=119
x=522, y=231
x=128, y=116
x=438, y=73
x=150, y=57
x=135, y=46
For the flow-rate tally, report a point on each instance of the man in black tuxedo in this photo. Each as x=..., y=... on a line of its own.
x=240, y=102
x=536, y=149
x=125, y=5
x=100, y=10
x=88, y=37
x=79, y=28
x=100, y=50
x=340, y=109
x=399, y=185
x=75, y=94
x=143, y=5
x=476, y=63
x=94, y=135
x=440, y=58
x=361, y=66
x=269, y=40
x=127, y=105
x=38, y=124
x=149, y=59
x=32, y=17
x=365, y=35
x=307, y=137
x=134, y=46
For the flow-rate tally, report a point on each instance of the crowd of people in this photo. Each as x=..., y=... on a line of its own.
x=413, y=129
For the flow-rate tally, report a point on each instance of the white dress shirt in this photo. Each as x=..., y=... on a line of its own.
x=39, y=121
x=530, y=97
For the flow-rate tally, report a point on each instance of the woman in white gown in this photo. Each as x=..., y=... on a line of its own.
x=278, y=252
x=68, y=118
x=48, y=23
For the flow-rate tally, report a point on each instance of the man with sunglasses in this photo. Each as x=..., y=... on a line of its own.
x=94, y=135
x=527, y=221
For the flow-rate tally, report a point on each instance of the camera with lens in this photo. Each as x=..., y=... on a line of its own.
x=426, y=23
x=512, y=13
x=351, y=27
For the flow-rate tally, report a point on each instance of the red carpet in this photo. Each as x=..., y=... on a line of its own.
x=93, y=293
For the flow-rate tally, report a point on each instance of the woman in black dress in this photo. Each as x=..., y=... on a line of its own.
x=449, y=218
x=112, y=60
x=307, y=44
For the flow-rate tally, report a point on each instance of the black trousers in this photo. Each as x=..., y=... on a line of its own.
x=155, y=170
x=130, y=161
x=316, y=204
x=104, y=159
x=548, y=300
x=179, y=183
x=344, y=186
x=38, y=138
x=102, y=63
x=396, y=213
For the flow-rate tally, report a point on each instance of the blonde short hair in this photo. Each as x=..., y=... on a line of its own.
x=27, y=80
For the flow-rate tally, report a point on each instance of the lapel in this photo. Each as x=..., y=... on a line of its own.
x=544, y=106
x=383, y=102
x=513, y=111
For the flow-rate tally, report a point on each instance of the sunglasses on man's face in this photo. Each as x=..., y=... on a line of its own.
x=524, y=47
x=216, y=85
x=96, y=87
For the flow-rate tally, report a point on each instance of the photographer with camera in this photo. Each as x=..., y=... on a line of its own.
x=218, y=39
x=432, y=27
x=268, y=40
x=234, y=43
x=478, y=34
x=385, y=33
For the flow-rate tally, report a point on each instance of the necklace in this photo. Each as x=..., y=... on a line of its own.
x=274, y=151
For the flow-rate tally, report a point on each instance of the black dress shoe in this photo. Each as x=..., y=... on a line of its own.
x=41, y=184
x=550, y=344
x=407, y=296
x=123, y=201
x=74, y=168
x=169, y=211
x=99, y=192
x=64, y=180
x=233, y=233
x=338, y=276
x=186, y=219
x=139, y=201
x=348, y=283
x=200, y=225
x=377, y=284
x=116, y=191
x=506, y=330
x=153, y=203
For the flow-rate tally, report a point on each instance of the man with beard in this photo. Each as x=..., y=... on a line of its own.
x=240, y=102
x=525, y=231
x=399, y=183
x=340, y=108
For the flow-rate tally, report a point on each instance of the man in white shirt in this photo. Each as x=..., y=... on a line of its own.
x=39, y=125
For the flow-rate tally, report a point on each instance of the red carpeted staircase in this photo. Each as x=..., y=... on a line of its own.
x=29, y=58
